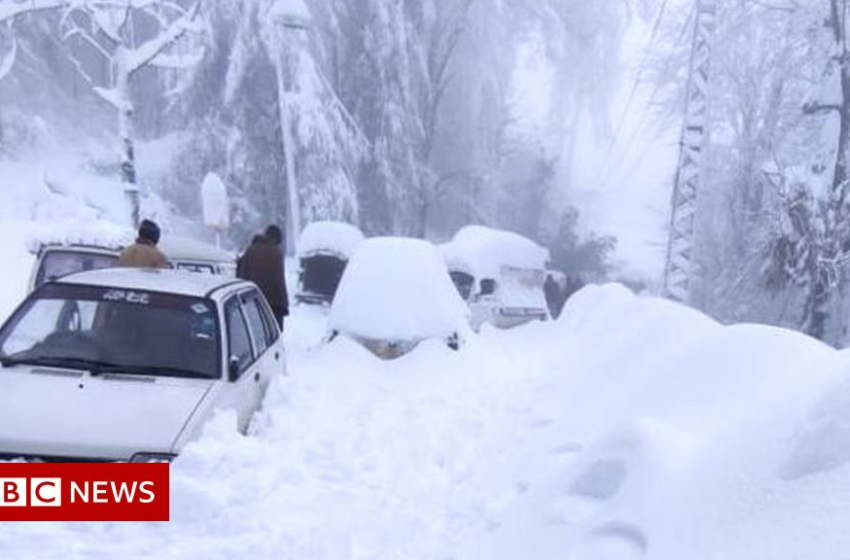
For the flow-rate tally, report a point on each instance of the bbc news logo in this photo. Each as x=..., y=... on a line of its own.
x=34, y=492
x=84, y=492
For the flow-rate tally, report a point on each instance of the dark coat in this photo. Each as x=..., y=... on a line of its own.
x=262, y=264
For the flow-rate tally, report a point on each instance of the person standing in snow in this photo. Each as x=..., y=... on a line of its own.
x=257, y=239
x=262, y=264
x=552, y=292
x=144, y=253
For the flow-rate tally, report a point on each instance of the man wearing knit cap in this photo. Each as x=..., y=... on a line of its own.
x=143, y=253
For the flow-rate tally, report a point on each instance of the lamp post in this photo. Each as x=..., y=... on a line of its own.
x=286, y=16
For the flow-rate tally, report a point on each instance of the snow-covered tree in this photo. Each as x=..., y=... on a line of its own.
x=321, y=140
x=128, y=36
x=11, y=9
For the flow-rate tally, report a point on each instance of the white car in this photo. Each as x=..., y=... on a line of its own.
x=55, y=260
x=500, y=274
x=128, y=365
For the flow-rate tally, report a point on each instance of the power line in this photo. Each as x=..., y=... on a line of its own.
x=609, y=171
x=641, y=68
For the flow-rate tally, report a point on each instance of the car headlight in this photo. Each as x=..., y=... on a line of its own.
x=153, y=458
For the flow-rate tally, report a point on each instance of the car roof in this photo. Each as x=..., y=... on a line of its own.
x=183, y=248
x=175, y=248
x=164, y=281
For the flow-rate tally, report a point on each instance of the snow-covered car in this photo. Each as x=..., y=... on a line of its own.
x=500, y=274
x=57, y=259
x=396, y=293
x=324, y=250
x=128, y=365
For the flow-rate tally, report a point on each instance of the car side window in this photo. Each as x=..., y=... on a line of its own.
x=259, y=329
x=272, y=329
x=239, y=342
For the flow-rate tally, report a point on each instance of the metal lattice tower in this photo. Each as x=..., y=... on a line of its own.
x=679, y=268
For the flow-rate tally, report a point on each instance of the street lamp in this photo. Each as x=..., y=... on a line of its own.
x=288, y=15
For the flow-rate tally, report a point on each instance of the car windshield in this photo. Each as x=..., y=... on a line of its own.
x=195, y=267
x=58, y=263
x=106, y=330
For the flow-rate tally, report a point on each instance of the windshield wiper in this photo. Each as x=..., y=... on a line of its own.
x=46, y=361
x=96, y=368
x=153, y=371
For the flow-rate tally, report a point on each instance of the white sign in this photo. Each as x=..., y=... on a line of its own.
x=216, y=203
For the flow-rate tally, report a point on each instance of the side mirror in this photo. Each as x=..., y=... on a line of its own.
x=233, y=369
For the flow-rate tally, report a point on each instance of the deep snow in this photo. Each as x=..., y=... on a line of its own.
x=631, y=428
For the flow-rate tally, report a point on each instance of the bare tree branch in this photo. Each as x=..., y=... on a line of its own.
x=815, y=108
x=149, y=50
x=10, y=8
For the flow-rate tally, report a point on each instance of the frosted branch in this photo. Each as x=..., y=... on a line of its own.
x=145, y=53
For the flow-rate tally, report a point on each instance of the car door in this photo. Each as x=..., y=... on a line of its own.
x=265, y=336
x=243, y=384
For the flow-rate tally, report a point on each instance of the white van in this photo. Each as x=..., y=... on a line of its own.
x=55, y=259
x=500, y=274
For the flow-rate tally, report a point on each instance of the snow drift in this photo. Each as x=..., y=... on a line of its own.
x=631, y=428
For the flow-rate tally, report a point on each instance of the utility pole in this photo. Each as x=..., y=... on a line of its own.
x=292, y=16
x=679, y=268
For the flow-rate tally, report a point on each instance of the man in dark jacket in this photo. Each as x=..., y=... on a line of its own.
x=262, y=264
x=257, y=239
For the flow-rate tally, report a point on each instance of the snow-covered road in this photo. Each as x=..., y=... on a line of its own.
x=629, y=429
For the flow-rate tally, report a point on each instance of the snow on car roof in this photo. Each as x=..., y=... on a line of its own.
x=183, y=248
x=397, y=289
x=333, y=237
x=482, y=252
x=175, y=248
x=165, y=281
x=104, y=235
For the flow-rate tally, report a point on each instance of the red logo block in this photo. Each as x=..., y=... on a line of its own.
x=84, y=492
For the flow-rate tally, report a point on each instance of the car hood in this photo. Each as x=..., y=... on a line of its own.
x=62, y=413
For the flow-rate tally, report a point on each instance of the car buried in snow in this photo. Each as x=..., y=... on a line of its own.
x=324, y=250
x=500, y=275
x=57, y=259
x=128, y=364
x=395, y=294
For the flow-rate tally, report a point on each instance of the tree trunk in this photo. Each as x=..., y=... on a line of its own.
x=835, y=242
x=128, y=155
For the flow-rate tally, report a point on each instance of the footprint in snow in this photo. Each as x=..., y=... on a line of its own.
x=614, y=541
x=596, y=484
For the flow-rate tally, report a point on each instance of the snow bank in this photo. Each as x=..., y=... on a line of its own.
x=397, y=289
x=334, y=237
x=482, y=252
x=631, y=428
x=670, y=436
